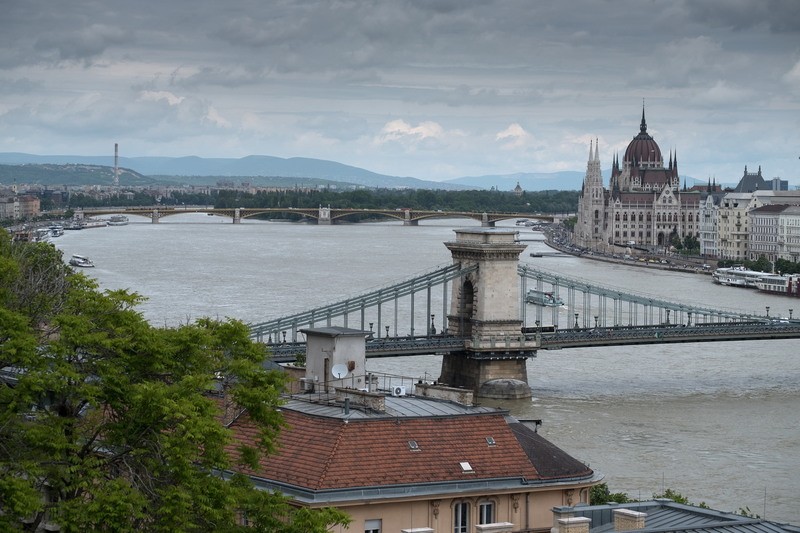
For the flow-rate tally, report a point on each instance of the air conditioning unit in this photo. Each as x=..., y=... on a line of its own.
x=307, y=384
x=398, y=391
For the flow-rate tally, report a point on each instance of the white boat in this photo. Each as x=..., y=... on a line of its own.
x=56, y=230
x=546, y=299
x=777, y=284
x=42, y=235
x=80, y=261
x=93, y=223
x=737, y=277
x=118, y=220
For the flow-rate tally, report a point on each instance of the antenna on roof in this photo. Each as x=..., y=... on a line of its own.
x=116, y=165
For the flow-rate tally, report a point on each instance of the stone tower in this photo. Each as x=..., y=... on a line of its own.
x=485, y=308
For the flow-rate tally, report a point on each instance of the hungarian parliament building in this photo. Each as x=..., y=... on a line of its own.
x=644, y=207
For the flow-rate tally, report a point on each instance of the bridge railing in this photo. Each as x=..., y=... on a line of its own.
x=339, y=312
x=714, y=332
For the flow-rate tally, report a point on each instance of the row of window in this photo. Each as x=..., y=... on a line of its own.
x=462, y=517
x=668, y=217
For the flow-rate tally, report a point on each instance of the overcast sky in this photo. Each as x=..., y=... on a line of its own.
x=434, y=89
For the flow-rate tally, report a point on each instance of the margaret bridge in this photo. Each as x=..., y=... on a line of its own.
x=485, y=336
x=320, y=215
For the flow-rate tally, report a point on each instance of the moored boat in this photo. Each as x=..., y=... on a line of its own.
x=776, y=284
x=80, y=261
x=93, y=223
x=545, y=299
x=118, y=220
x=737, y=277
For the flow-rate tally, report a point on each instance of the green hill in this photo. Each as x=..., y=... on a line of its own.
x=70, y=174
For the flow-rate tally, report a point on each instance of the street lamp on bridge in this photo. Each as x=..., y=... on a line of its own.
x=576, y=320
x=767, y=311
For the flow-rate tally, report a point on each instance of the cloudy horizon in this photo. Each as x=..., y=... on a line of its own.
x=433, y=89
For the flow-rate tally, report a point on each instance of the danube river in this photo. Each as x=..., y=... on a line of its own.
x=717, y=422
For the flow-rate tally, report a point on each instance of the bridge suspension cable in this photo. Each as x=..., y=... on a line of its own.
x=586, y=300
x=273, y=329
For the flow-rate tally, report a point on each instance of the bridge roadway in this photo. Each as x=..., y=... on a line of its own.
x=570, y=338
x=328, y=215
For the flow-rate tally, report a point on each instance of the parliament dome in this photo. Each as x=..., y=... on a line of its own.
x=643, y=147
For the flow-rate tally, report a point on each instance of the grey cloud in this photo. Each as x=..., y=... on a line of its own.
x=779, y=16
x=82, y=44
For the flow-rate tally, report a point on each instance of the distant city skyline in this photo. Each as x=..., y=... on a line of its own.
x=430, y=89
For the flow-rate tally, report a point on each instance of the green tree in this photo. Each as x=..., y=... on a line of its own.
x=600, y=494
x=110, y=424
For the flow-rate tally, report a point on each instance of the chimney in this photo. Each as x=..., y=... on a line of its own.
x=627, y=520
x=575, y=524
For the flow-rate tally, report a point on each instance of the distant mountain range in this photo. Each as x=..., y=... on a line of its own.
x=267, y=170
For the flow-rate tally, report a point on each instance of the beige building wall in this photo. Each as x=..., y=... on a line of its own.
x=522, y=510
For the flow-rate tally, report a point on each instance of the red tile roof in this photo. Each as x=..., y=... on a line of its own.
x=318, y=453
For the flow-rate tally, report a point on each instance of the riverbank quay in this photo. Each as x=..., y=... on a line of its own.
x=560, y=241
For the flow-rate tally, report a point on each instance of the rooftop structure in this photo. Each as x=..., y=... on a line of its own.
x=658, y=515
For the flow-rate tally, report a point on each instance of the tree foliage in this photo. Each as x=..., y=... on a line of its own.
x=110, y=424
x=600, y=494
x=474, y=201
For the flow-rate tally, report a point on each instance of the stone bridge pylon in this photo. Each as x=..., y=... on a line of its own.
x=485, y=309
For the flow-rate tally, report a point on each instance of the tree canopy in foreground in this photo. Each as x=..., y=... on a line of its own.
x=110, y=424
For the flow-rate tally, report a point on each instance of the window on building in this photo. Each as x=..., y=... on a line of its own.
x=372, y=526
x=486, y=512
x=461, y=517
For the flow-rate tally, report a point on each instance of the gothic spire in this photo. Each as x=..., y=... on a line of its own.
x=591, y=156
x=643, y=125
x=597, y=149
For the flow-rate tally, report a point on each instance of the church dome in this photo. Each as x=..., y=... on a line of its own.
x=643, y=147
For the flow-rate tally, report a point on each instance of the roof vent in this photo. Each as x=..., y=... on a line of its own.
x=413, y=446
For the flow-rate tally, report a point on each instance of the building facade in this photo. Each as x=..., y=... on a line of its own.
x=774, y=232
x=643, y=204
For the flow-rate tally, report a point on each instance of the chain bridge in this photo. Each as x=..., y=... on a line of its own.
x=321, y=215
x=496, y=313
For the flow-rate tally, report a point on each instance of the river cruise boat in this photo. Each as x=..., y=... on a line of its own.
x=737, y=277
x=80, y=261
x=118, y=220
x=545, y=299
x=776, y=284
